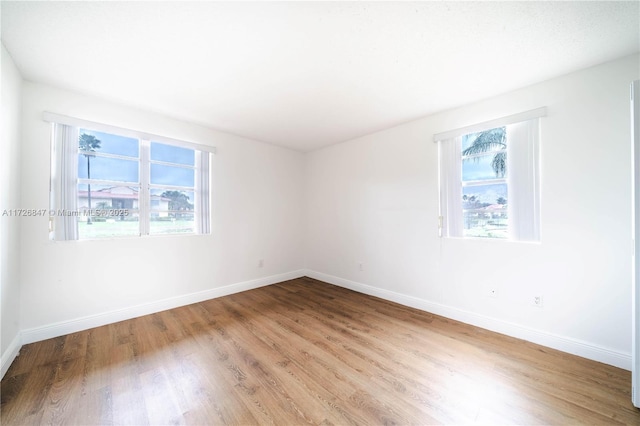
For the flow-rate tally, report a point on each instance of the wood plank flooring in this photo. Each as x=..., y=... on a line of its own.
x=305, y=352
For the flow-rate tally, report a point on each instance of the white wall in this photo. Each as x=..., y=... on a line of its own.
x=258, y=213
x=9, y=199
x=375, y=200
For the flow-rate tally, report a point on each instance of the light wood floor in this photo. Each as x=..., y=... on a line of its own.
x=306, y=352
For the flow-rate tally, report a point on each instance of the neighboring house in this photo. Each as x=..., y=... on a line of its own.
x=490, y=211
x=121, y=197
x=493, y=215
x=495, y=210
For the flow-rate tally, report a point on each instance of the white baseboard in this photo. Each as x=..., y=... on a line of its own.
x=561, y=343
x=10, y=354
x=65, y=327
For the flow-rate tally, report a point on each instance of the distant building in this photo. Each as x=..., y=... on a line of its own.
x=121, y=197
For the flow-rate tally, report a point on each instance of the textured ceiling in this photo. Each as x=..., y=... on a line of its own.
x=305, y=75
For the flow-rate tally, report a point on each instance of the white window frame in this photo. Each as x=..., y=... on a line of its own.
x=523, y=176
x=64, y=177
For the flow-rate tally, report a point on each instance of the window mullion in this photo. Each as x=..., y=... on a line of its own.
x=107, y=155
x=107, y=182
x=145, y=173
x=482, y=154
x=468, y=183
x=168, y=163
x=172, y=187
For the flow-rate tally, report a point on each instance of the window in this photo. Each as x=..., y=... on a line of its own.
x=489, y=179
x=484, y=184
x=109, y=182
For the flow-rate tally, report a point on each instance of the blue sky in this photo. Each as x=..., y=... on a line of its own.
x=128, y=170
x=479, y=168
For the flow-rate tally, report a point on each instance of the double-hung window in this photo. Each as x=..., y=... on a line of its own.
x=110, y=182
x=489, y=179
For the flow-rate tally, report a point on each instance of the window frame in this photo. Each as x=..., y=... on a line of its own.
x=202, y=184
x=450, y=181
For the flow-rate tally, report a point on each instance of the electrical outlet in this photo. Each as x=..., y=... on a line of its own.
x=260, y=263
x=538, y=301
x=360, y=266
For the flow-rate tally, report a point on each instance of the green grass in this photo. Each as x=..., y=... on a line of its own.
x=486, y=233
x=98, y=230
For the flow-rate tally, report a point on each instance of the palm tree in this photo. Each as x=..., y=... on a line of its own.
x=470, y=201
x=88, y=144
x=489, y=141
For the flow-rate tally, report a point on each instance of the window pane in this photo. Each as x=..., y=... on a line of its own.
x=108, y=143
x=171, y=212
x=484, y=210
x=484, y=155
x=172, y=154
x=168, y=175
x=489, y=166
x=107, y=211
x=107, y=168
